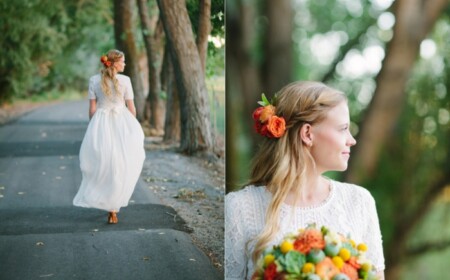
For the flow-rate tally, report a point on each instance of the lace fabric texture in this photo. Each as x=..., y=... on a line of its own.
x=349, y=210
x=112, y=152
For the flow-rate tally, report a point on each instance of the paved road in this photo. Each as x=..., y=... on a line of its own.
x=42, y=236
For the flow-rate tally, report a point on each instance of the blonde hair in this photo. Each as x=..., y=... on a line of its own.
x=281, y=164
x=109, y=72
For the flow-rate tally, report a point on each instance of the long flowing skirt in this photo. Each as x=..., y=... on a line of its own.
x=111, y=158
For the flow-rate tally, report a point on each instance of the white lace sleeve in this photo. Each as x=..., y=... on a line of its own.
x=372, y=235
x=129, y=95
x=235, y=256
x=91, y=92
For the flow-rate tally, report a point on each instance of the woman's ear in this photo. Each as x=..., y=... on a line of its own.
x=306, y=134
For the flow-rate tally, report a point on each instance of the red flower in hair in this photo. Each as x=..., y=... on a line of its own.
x=267, y=123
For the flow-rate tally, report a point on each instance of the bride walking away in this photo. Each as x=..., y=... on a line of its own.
x=112, y=152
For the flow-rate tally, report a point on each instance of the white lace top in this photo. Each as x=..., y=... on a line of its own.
x=349, y=209
x=115, y=100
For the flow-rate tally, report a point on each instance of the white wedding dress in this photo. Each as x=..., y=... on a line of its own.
x=349, y=210
x=112, y=152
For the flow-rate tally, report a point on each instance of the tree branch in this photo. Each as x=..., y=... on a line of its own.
x=427, y=247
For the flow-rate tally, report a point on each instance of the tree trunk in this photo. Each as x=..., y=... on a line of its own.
x=195, y=122
x=153, y=35
x=125, y=41
x=172, y=121
x=204, y=28
x=414, y=20
x=277, y=67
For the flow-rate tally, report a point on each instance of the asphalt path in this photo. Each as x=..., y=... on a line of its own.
x=43, y=236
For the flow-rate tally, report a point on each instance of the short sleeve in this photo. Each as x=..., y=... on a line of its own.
x=372, y=236
x=235, y=257
x=91, y=92
x=129, y=95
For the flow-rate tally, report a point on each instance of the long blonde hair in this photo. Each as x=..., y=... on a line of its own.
x=109, y=72
x=281, y=164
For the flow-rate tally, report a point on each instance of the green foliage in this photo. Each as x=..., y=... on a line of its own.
x=49, y=44
x=217, y=16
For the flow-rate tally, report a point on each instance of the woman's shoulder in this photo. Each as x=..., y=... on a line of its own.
x=249, y=195
x=353, y=192
x=95, y=78
x=122, y=77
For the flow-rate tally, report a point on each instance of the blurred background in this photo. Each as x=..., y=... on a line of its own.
x=391, y=58
x=51, y=48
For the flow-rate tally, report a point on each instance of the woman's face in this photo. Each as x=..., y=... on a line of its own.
x=331, y=140
x=120, y=64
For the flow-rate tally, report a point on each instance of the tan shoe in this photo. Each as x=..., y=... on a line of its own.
x=112, y=218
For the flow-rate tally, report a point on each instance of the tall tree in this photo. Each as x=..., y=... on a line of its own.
x=414, y=20
x=204, y=28
x=172, y=120
x=195, y=123
x=277, y=66
x=252, y=70
x=126, y=42
x=153, y=34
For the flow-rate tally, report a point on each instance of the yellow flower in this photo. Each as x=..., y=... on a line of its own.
x=345, y=254
x=286, y=246
x=362, y=247
x=268, y=259
x=338, y=262
x=366, y=266
x=308, y=268
x=353, y=243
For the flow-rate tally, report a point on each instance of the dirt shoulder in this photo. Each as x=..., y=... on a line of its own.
x=195, y=188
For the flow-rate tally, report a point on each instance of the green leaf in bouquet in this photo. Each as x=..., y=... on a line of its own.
x=294, y=262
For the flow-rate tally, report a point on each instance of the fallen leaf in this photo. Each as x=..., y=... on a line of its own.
x=192, y=260
x=58, y=177
x=40, y=243
x=2, y=187
x=95, y=229
x=21, y=193
x=146, y=258
x=62, y=167
x=46, y=275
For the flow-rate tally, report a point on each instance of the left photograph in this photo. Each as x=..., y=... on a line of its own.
x=112, y=128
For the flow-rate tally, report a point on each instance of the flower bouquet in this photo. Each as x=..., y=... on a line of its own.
x=315, y=254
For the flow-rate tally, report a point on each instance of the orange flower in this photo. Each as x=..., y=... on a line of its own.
x=350, y=271
x=103, y=58
x=267, y=112
x=276, y=126
x=326, y=269
x=310, y=238
x=108, y=63
x=354, y=262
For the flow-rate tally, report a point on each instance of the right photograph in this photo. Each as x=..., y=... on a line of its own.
x=337, y=128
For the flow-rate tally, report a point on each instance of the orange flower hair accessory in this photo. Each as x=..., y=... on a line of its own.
x=105, y=61
x=267, y=123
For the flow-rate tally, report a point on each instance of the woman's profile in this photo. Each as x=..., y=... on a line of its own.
x=112, y=152
x=307, y=135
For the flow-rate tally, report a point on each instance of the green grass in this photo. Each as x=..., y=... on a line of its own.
x=52, y=95
x=216, y=90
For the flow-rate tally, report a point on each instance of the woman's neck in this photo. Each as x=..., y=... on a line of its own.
x=315, y=190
